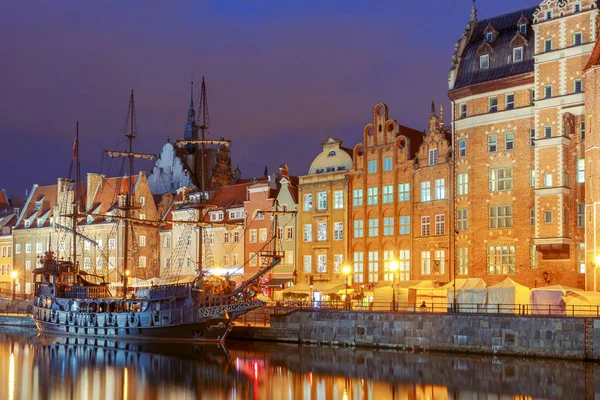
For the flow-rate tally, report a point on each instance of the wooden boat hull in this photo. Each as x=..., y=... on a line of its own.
x=130, y=326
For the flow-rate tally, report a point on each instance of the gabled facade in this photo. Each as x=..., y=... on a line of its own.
x=399, y=207
x=260, y=199
x=287, y=203
x=322, y=234
x=519, y=127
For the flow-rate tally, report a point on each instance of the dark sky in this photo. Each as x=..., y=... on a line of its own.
x=282, y=76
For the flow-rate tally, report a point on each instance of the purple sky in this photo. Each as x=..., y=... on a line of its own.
x=282, y=76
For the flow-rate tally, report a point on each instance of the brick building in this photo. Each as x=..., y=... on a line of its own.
x=399, y=201
x=260, y=199
x=516, y=86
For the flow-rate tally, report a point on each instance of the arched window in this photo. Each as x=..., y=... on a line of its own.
x=331, y=153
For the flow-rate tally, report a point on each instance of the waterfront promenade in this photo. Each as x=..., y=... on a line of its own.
x=556, y=336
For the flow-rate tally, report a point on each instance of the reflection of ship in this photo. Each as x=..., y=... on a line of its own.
x=189, y=369
x=67, y=301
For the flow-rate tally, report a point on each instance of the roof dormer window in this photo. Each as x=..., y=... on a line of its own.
x=576, y=8
x=484, y=61
x=40, y=222
x=518, y=54
x=523, y=29
x=216, y=216
x=27, y=223
x=522, y=24
x=490, y=33
x=548, y=15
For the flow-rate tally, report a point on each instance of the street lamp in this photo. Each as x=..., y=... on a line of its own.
x=394, y=267
x=346, y=270
x=14, y=276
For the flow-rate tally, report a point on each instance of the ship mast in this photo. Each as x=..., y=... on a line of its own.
x=128, y=203
x=75, y=199
x=203, y=109
x=203, y=128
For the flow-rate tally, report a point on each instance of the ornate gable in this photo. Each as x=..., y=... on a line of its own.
x=435, y=148
x=550, y=9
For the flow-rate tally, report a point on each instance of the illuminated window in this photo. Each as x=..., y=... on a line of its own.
x=500, y=217
x=425, y=191
x=308, y=233
x=463, y=219
x=388, y=226
x=425, y=226
x=373, y=266
x=373, y=227
x=308, y=264
x=404, y=192
x=405, y=224
x=358, y=228
x=463, y=183
x=501, y=260
x=425, y=263
x=463, y=261
x=358, y=267
x=357, y=197
x=388, y=194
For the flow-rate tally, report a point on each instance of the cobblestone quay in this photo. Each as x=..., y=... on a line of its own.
x=542, y=336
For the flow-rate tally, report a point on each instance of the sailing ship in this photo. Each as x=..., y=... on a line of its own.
x=68, y=301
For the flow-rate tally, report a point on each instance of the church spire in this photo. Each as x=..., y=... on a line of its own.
x=191, y=111
x=191, y=117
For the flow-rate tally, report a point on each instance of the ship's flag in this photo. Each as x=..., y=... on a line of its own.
x=75, y=148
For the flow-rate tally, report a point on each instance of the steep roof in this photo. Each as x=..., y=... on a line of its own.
x=501, y=65
x=415, y=137
x=233, y=195
x=41, y=202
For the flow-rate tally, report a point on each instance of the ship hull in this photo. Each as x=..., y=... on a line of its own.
x=210, y=329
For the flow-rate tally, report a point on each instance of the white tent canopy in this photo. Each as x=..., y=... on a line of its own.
x=581, y=303
x=507, y=296
x=549, y=299
x=407, y=293
x=470, y=292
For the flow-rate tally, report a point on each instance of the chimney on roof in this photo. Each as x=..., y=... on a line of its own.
x=94, y=185
x=63, y=185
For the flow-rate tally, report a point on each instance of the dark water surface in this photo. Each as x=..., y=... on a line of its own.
x=51, y=367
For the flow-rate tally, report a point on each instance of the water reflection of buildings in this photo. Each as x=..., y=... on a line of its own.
x=292, y=372
x=57, y=368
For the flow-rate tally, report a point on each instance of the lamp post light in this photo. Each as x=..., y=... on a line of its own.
x=14, y=276
x=394, y=267
x=346, y=270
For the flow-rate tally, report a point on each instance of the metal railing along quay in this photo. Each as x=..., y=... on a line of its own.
x=461, y=308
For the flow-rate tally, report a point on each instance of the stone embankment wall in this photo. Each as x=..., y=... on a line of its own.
x=561, y=337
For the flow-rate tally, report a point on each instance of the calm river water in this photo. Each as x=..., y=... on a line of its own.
x=48, y=367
